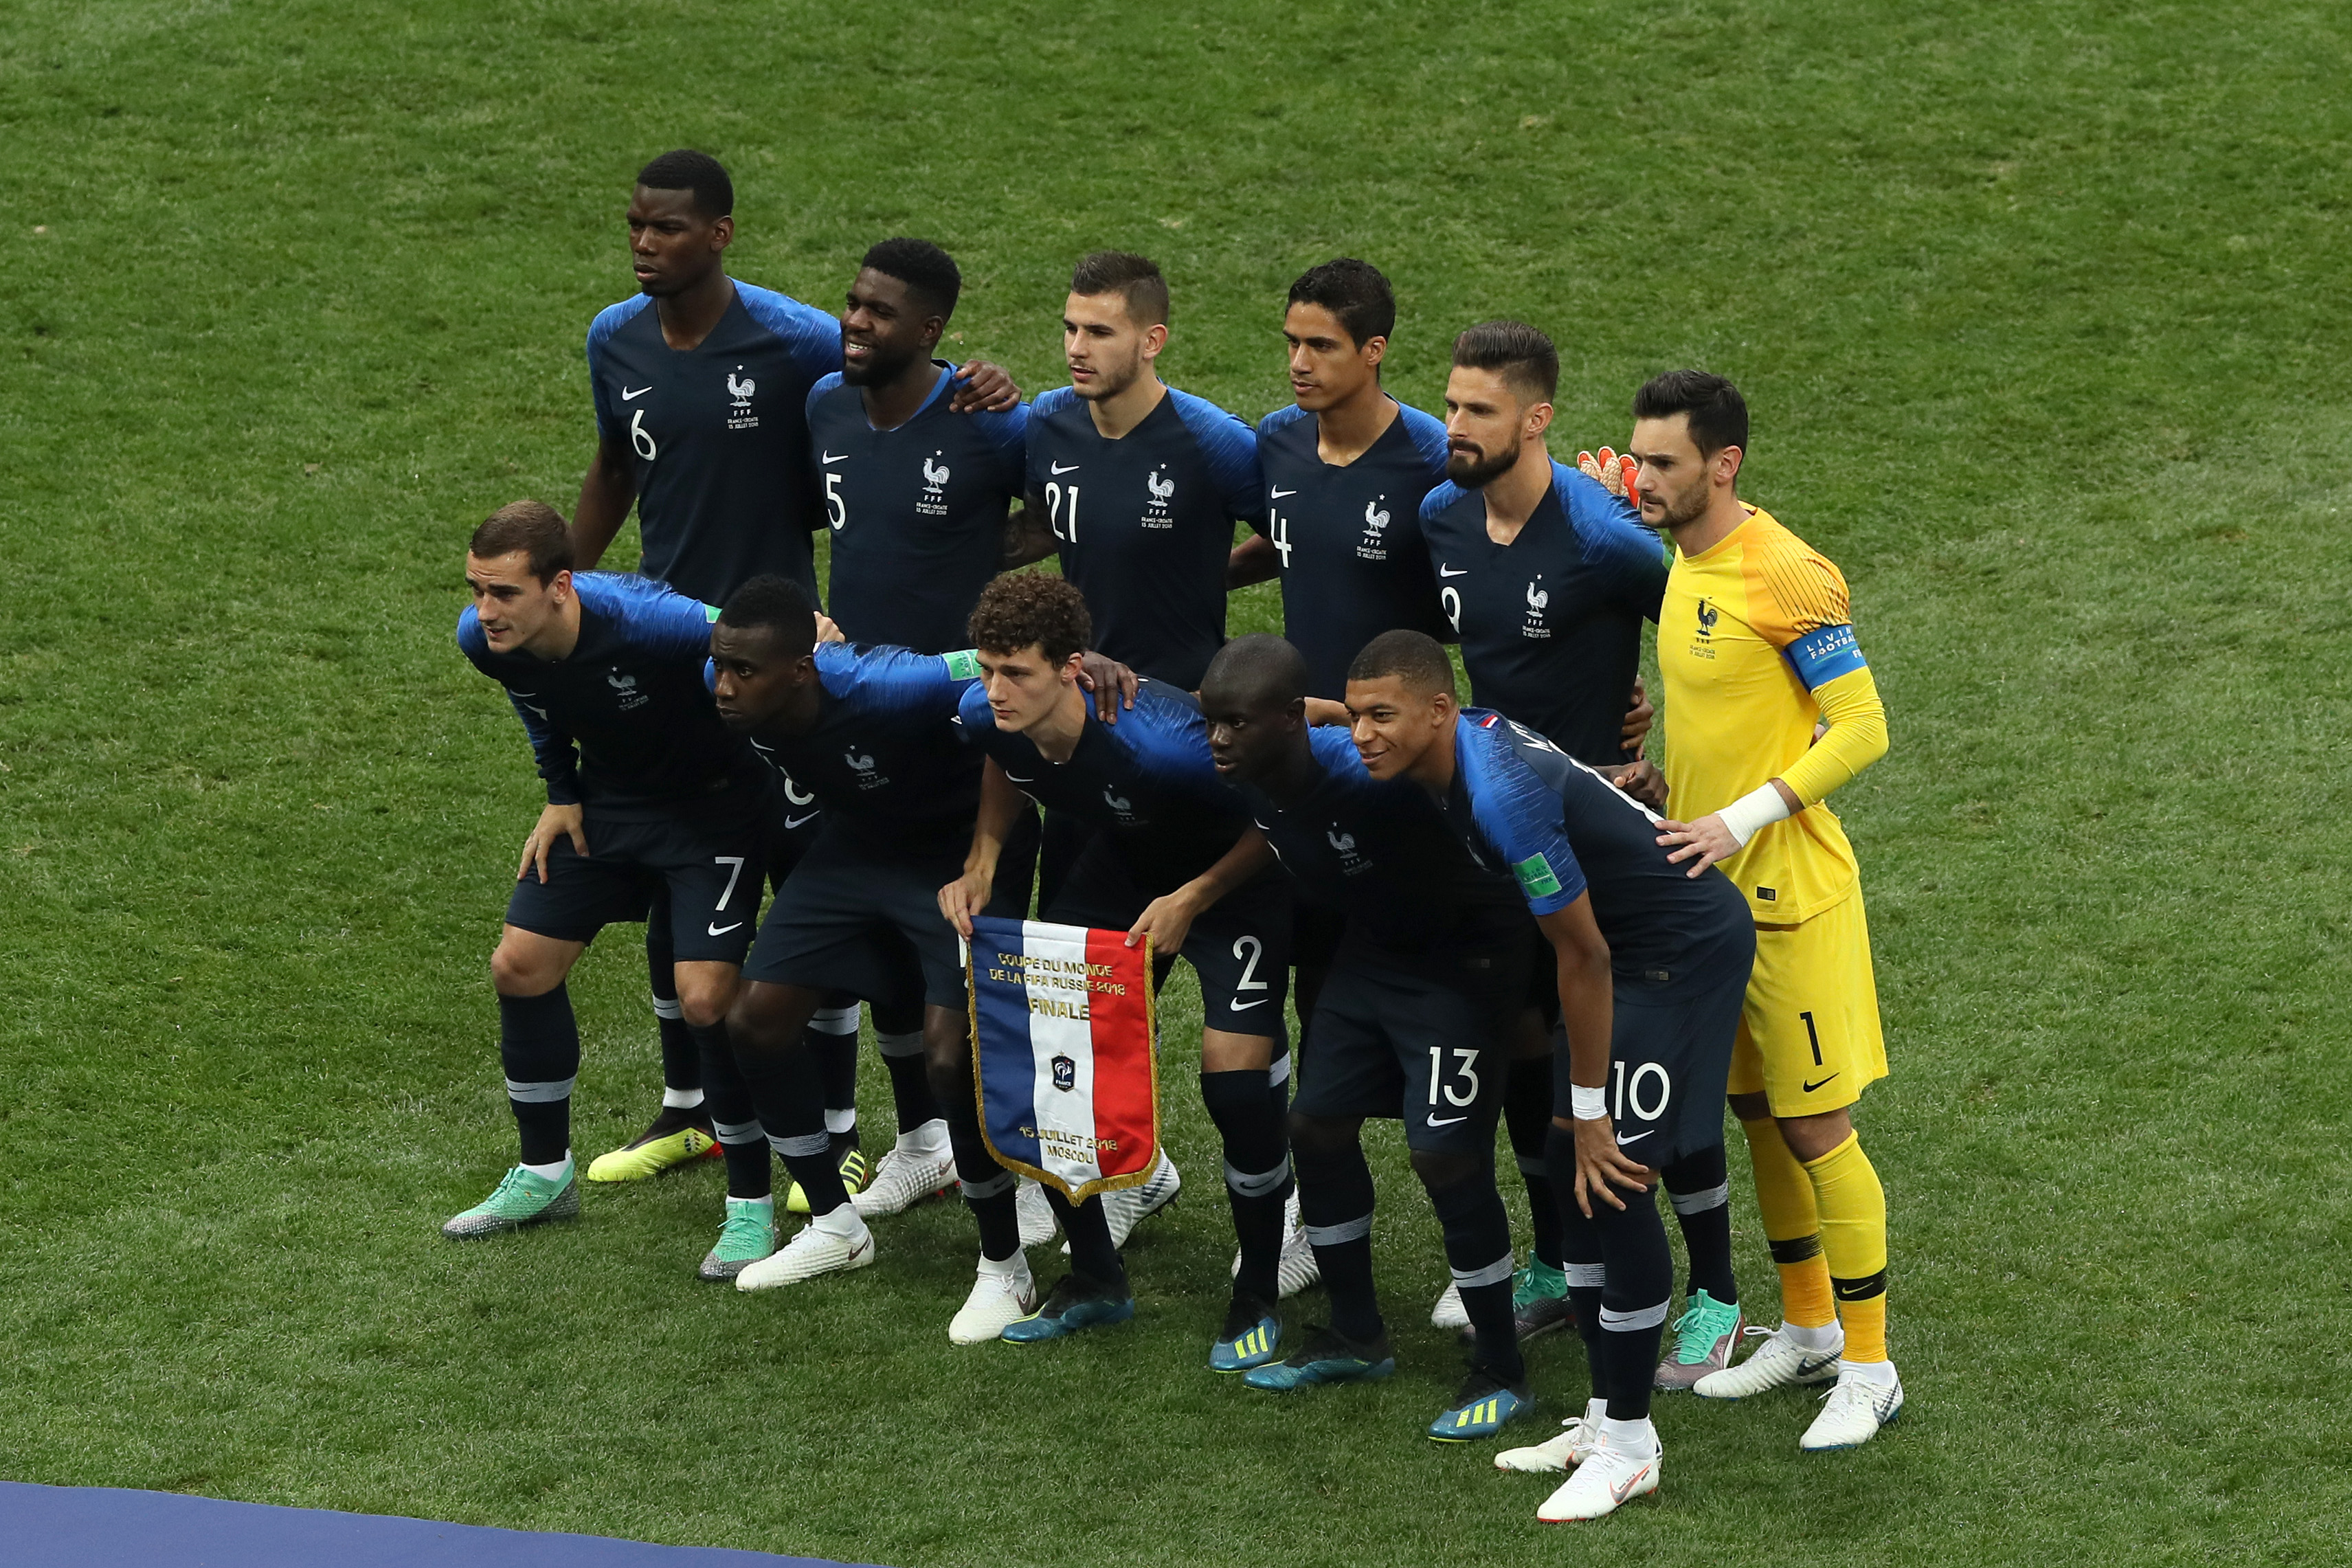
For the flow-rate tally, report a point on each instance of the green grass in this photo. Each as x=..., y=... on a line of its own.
x=2040, y=307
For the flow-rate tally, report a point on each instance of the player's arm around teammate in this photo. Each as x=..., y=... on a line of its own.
x=1757, y=644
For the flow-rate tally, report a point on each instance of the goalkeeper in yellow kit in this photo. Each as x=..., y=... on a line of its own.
x=1769, y=708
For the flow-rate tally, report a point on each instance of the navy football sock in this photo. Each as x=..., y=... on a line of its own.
x=1527, y=1112
x=1257, y=1173
x=1478, y=1250
x=1335, y=1198
x=681, y=1058
x=741, y=1140
x=911, y=1081
x=1091, y=1252
x=1638, y=1276
x=539, y=1048
x=832, y=1038
x=1699, y=1187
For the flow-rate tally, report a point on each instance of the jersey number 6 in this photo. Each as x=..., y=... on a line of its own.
x=640, y=437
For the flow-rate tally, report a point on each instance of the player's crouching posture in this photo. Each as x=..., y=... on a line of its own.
x=1172, y=857
x=645, y=789
x=1756, y=646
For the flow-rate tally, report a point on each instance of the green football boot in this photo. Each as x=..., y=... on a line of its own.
x=749, y=1234
x=1540, y=1299
x=521, y=1199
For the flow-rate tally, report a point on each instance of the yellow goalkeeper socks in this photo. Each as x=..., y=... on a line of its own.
x=1793, y=1226
x=1853, y=1209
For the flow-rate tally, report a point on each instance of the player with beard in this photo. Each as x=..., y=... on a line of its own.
x=700, y=384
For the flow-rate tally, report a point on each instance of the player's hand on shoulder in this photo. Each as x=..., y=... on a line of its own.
x=1640, y=714
x=825, y=629
x=1702, y=843
x=555, y=822
x=965, y=897
x=1113, y=684
x=1642, y=781
x=984, y=386
x=1167, y=920
x=1601, y=1166
x=1615, y=472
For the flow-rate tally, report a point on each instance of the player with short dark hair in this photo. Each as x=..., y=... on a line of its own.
x=1646, y=1031
x=1424, y=990
x=1756, y=647
x=644, y=788
x=700, y=387
x=1173, y=859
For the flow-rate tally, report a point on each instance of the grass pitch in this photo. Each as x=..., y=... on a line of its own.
x=2040, y=308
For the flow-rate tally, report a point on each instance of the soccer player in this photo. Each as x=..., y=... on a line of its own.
x=1419, y=1005
x=1546, y=577
x=1650, y=968
x=1757, y=647
x=644, y=787
x=1175, y=859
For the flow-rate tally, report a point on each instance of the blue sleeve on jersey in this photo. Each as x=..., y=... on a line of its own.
x=824, y=384
x=1519, y=816
x=896, y=680
x=979, y=721
x=1282, y=418
x=654, y=618
x=610, y=319
x=812, y=336
x=1007, y=430
x=1428, y=434
x=1231, y=448
x=1444, y=494
x=1169, y=742
x=559, y=761
x=1047, y=404
x=1823, y=655
x=1614, y=543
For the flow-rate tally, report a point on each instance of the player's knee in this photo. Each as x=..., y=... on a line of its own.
x=702, y=1002
x=1444, y=1167
x=754, y=1020
x=947, y=1063
x=517, y=971
x=1314, y=1138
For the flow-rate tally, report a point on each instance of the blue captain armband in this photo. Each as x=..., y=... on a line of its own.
x=1821, y=657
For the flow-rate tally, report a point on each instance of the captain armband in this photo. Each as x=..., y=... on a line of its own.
x=1822, y=656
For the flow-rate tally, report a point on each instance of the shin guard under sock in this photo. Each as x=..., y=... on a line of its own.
x=1793, y=1225
x=1257, y=1173
x=1853, y=1244
x=1478, y=1250
x=1527, y=1112
x=1698, y=1186
x=539, y=1048
x=1335, y=1197
x=1091, y=1252
x=910, y=1082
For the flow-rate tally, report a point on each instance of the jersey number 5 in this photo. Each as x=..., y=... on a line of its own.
x=837, y=510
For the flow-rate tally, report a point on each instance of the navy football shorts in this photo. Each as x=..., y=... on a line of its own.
x=712, y=871
x=853, y=907
x=1240, y=946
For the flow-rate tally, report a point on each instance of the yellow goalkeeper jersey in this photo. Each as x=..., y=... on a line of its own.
x=1756, y=643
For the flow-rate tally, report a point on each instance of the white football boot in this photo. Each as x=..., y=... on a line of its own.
x=904, y=1177
x=815, y=1250
x=1130, y=1206
x=1610, y=1476
x=1449, y=1312
x=1002, y=1293
x=1853, y=1411
x=1578, y=1438
x=1779, y=1362
x=1035, y=1214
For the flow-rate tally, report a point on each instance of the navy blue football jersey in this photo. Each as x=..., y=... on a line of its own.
x=1149, y=782
x=1550, y=622
x=623, y=723
x=886, y=759
x=1348, y=539
x=1146, y=522
x=717, y=437
x=1522, y=804
x=1381, y=853
x=918, y=514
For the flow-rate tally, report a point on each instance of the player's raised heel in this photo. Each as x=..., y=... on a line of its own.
x=855, y=1174
x=1484, y=1404
x=749, y=1234
x=1326, y=1357
x=652, y=1152
x=1251, y=1337
x=1073, y=1305
x=1703, y=1339
x=520, y=1199
x=1779, y=1362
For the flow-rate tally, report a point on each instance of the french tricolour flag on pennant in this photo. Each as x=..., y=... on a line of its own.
x=1061, y=1030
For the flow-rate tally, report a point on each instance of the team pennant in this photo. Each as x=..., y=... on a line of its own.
x=1061, y=1033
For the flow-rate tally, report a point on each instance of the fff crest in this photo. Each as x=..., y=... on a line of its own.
x=1066, y=1073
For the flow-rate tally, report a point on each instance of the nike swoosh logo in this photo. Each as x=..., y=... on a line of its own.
x=628, y=396
x=830, y=458
x=1810, y=1087
x=1016, y=778
x=1622, y=1139
x=1454, y=571
x=722, y=931
x=1061, y=468
x=792, y=822
x=1624, y=1489
x=1278, y=494
x=1245, y=1007
x=1449, y=1121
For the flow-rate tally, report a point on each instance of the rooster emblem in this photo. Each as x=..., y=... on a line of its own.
x=741, y=390
x=1706, y=614
x=863, y=764
x=1344, y=843
x=1112, y=798
x=934, y=474
x=1536, y=597
x=1160, y=488
x=1374, y=518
